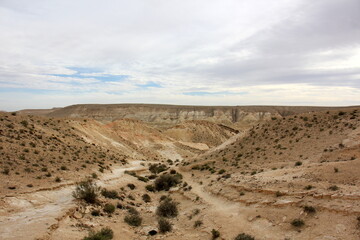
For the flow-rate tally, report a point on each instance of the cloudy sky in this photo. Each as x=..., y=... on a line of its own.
x=55, y=53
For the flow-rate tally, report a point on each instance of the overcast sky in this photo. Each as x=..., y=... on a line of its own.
x=55, y=53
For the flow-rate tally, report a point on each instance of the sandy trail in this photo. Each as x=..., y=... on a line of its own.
x=221, y=210
x=29, y=216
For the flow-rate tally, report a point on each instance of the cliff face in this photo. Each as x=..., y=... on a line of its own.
x=172, y=114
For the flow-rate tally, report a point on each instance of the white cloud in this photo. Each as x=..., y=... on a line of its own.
x=217, y=46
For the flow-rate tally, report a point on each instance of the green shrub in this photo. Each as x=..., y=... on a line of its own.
x=167, y=208
x=133, y=220
x=164, y=225
x=146, y=198
x=309, y=209
x=150, y=188
x=143, y=179
x=166, y=181
x=215, y=234
x=103, y=234
x=297, y=222
x=132, y=210
x=95, y=213
x=157, y=168
x=243, y=236
x=198, y=223
x=6, y=171
x=109, y=208
x=87, y=191
x=110, y=193
x=131, y=186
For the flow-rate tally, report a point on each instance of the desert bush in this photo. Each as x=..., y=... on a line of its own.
x=95, y=213
x=133, y=220
x=166, y=181
x=6, y=171
x=309, y=209
x=146, y=198
x=131, y=186
x=87, y=190
x=308, y=187
x=215, y=234
x=110, y=193
x=167, y=208
x=132, y=210
x=143, y=179
x=164, y=225
x=279, y=194
x=333, y=188
x=157, y=168
x=103, y=234
x=297, y=222
x=109, y=208
x=243, y=236
x=298, y=163
x=198, y=223
x=24, y=123
x=150, y=188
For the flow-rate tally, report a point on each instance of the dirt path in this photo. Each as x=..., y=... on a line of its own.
x=29, y=216
x=232, y=218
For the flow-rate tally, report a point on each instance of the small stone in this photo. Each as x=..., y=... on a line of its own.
x=77, y=215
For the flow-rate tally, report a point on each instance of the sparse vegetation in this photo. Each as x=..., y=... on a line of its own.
x=166, y=181
x=215, y=234
x=103, y=234
x=309, y=209
x=109, y=208
x=146, y=197
x=164, y=225
x=167, y=208
x=297, y=222
x=157, y=168
x=87, y=190
x=132, y=219
x=244, y=236
x=198, y=223
x=109, y=193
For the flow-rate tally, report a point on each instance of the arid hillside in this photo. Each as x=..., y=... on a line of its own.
x=173, y=114
x=36, y=150
x=290, y=174
x=201, y=132
x=303, y=167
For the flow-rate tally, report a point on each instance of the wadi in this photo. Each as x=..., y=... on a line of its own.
x=142, y=171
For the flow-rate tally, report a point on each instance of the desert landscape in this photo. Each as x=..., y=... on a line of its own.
x=180, y=172
x=179, y=120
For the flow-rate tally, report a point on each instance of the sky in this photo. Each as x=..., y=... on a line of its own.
x=55, y=53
